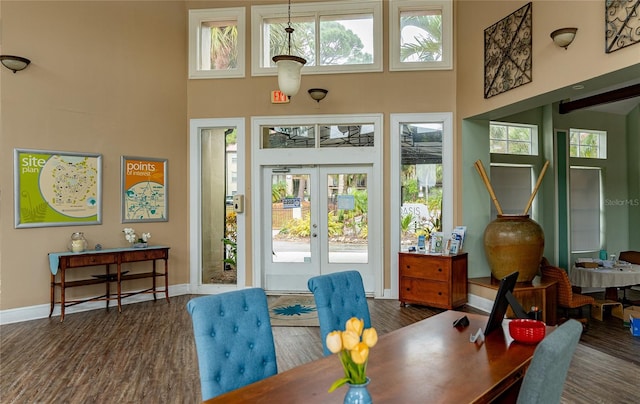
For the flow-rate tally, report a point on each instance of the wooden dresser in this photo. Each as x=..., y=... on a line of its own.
x=433, y=280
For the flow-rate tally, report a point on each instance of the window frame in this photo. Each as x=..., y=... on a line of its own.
x=602, y=143
x=395, y=8
x=535, y=151
x=315, y=10
x=196, y=18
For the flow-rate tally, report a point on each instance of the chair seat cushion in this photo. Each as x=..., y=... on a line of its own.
x=578, y=300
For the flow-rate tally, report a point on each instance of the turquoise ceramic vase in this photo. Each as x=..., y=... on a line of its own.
x=358, y=394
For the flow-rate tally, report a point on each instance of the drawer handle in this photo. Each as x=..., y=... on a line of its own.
x=439, y=269
x=408, y=266
x=439, y=293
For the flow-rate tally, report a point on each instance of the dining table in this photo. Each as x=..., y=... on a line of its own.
x=428, y=361
x=617, y=275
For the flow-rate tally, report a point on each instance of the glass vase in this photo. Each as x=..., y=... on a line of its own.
x=78, y=242
x=358, y=394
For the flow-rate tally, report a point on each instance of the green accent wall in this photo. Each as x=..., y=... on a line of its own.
x=562, y=166
x=633, y=187
x=476, y=208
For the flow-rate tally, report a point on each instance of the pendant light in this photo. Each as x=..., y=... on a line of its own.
x=289, y=66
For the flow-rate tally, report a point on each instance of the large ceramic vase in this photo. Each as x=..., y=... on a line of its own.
x=358, y=394
x=514, y=243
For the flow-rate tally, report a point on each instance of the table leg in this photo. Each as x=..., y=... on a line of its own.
x=611, y=294
x=108, y=288
x=53, y=293
x=153, y=282
x=166, y=278
x=62, y=286
x=119, y=277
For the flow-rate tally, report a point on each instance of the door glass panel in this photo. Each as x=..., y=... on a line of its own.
x=219, y=184
x=421, y=181
x=347, y=220
x=291, y=218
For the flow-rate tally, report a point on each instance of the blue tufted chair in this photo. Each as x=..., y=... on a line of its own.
x=339, y=296
x=234, y=340
x=544, y=381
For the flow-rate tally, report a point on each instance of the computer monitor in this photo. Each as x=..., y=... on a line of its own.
x=504, y=299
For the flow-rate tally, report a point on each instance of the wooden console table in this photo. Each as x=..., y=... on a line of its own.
x=60, y=262
x=538, y=292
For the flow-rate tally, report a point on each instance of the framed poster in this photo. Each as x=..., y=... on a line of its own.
x=53, y=188
x=144, y=189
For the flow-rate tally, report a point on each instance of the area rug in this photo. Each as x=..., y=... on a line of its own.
x=293, y=311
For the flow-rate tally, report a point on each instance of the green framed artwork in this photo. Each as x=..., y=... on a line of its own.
x=54, y=188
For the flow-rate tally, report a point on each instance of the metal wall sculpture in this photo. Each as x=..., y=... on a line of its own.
x=622, y=19
x=507, y=52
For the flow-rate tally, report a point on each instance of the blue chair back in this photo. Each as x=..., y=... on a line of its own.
x=544, y=381
x=234, y=341
x=339, y=296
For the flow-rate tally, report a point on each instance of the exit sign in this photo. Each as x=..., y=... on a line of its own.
x=278, y=97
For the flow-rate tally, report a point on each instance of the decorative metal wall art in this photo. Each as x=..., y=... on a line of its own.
x=507, y=52
x=622, y=19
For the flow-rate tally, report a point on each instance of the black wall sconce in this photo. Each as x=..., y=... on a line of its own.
x=14, y=63
x=318, y=94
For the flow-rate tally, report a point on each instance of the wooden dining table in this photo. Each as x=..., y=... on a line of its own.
x=428, y=361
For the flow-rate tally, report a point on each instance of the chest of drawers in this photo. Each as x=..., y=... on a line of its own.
x=433, y=280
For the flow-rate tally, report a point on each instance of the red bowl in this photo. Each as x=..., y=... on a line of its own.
x=527, y=331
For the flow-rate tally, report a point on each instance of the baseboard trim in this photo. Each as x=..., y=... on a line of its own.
x=42, y=310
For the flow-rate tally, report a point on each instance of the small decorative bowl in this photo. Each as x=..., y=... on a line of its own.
x=527, y=331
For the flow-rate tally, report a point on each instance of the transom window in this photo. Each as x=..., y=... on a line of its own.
x=420, y=35
x=340, y=36
x=294, y=137
x=216, y=43
x=587, y=143
x=511, y=138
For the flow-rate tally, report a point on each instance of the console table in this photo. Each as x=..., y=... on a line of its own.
x=60, y=262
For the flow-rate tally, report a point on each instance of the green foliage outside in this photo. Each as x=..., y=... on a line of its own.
x=224, y=49
x=341, y=222
x=426, y=47
x=278, y=191
x=338, y=45
x=230, y=239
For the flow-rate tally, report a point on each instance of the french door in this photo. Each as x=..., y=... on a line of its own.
x=315, y=220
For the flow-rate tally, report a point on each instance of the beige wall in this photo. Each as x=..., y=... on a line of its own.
x=111, y=77
x=553, y=67
x=106, y=77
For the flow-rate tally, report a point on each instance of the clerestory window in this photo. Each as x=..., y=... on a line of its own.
x=342, y=36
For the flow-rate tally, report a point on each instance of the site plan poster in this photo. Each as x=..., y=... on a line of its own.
x=144, y=189
x=54, y=188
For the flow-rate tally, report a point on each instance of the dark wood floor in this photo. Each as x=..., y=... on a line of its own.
x=147, y=354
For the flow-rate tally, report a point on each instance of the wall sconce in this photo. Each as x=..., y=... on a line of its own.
x=14, y=63
x=318, y=94
x=289, y=66
x=564, y=36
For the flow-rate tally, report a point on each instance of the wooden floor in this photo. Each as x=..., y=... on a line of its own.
x=147, y=354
